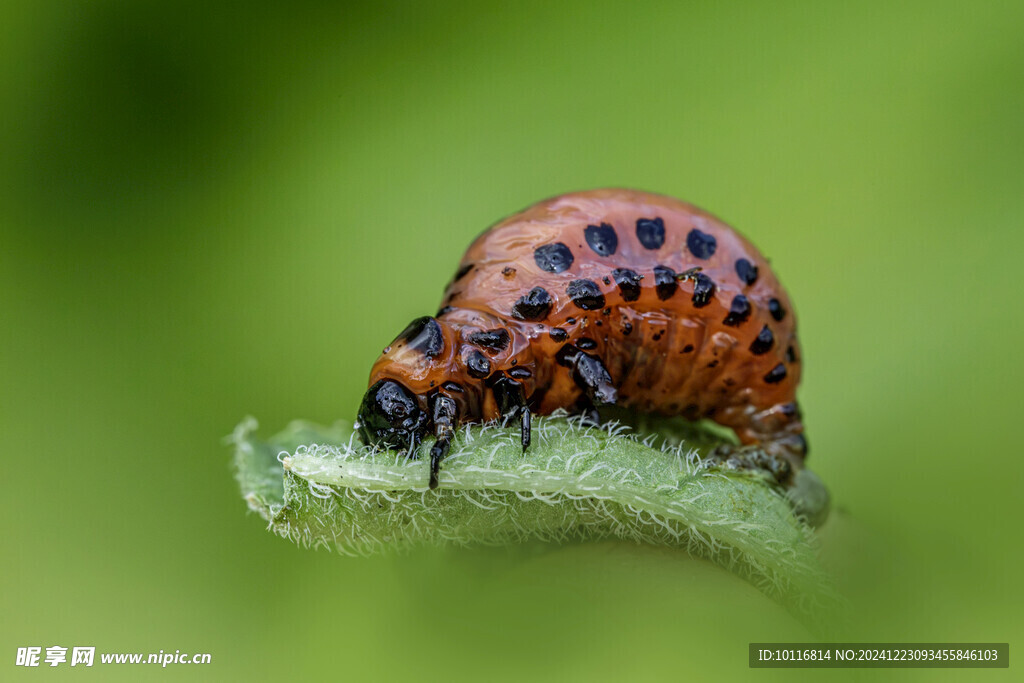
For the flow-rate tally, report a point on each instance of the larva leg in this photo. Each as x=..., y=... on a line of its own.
x=525, y=426
x=774, y=444
x=773, y=439
x=444, y=414
x=590, y=374
x=775, y=456
x=511, y=402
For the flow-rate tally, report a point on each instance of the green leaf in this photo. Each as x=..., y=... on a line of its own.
x=322, y=488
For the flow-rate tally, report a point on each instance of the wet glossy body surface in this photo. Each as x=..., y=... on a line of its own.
x=609, y=296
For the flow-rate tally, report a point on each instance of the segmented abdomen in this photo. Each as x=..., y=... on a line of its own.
x=684, y=312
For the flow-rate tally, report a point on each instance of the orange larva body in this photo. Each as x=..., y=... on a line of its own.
x=682, y=312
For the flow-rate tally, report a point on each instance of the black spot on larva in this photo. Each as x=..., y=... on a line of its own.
x=461, y=272
x=747, y=271
x=763, y=343
x=606, y=280
x=423, y=334
x=558, y=334
x=627, y=328
x=602, y=239
x=478, y=365
x=658, y=335
x=650, y=232
x=776, y=309
x=520, y=373
x=739, y=311
x=687, y=348
x=701, y=244
x=534, y=305
x=776, y=374
x=553, y=258
x=628, y=282
x=713, y=364
x=703, y=290
x=586, y=343
x=493, y=340
x=509, y=272
x=665, y=284
x=453, y=386
x=585, y=294
x=442, y=311
x=570, y=321
x=790, y=354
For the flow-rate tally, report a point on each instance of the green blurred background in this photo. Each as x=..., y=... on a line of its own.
x=213, y=212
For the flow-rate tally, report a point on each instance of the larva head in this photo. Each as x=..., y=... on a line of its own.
x=442, y=371
x=395, y=412
x=390, y=416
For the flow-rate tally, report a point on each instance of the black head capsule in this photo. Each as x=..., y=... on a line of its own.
x=390, y=416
